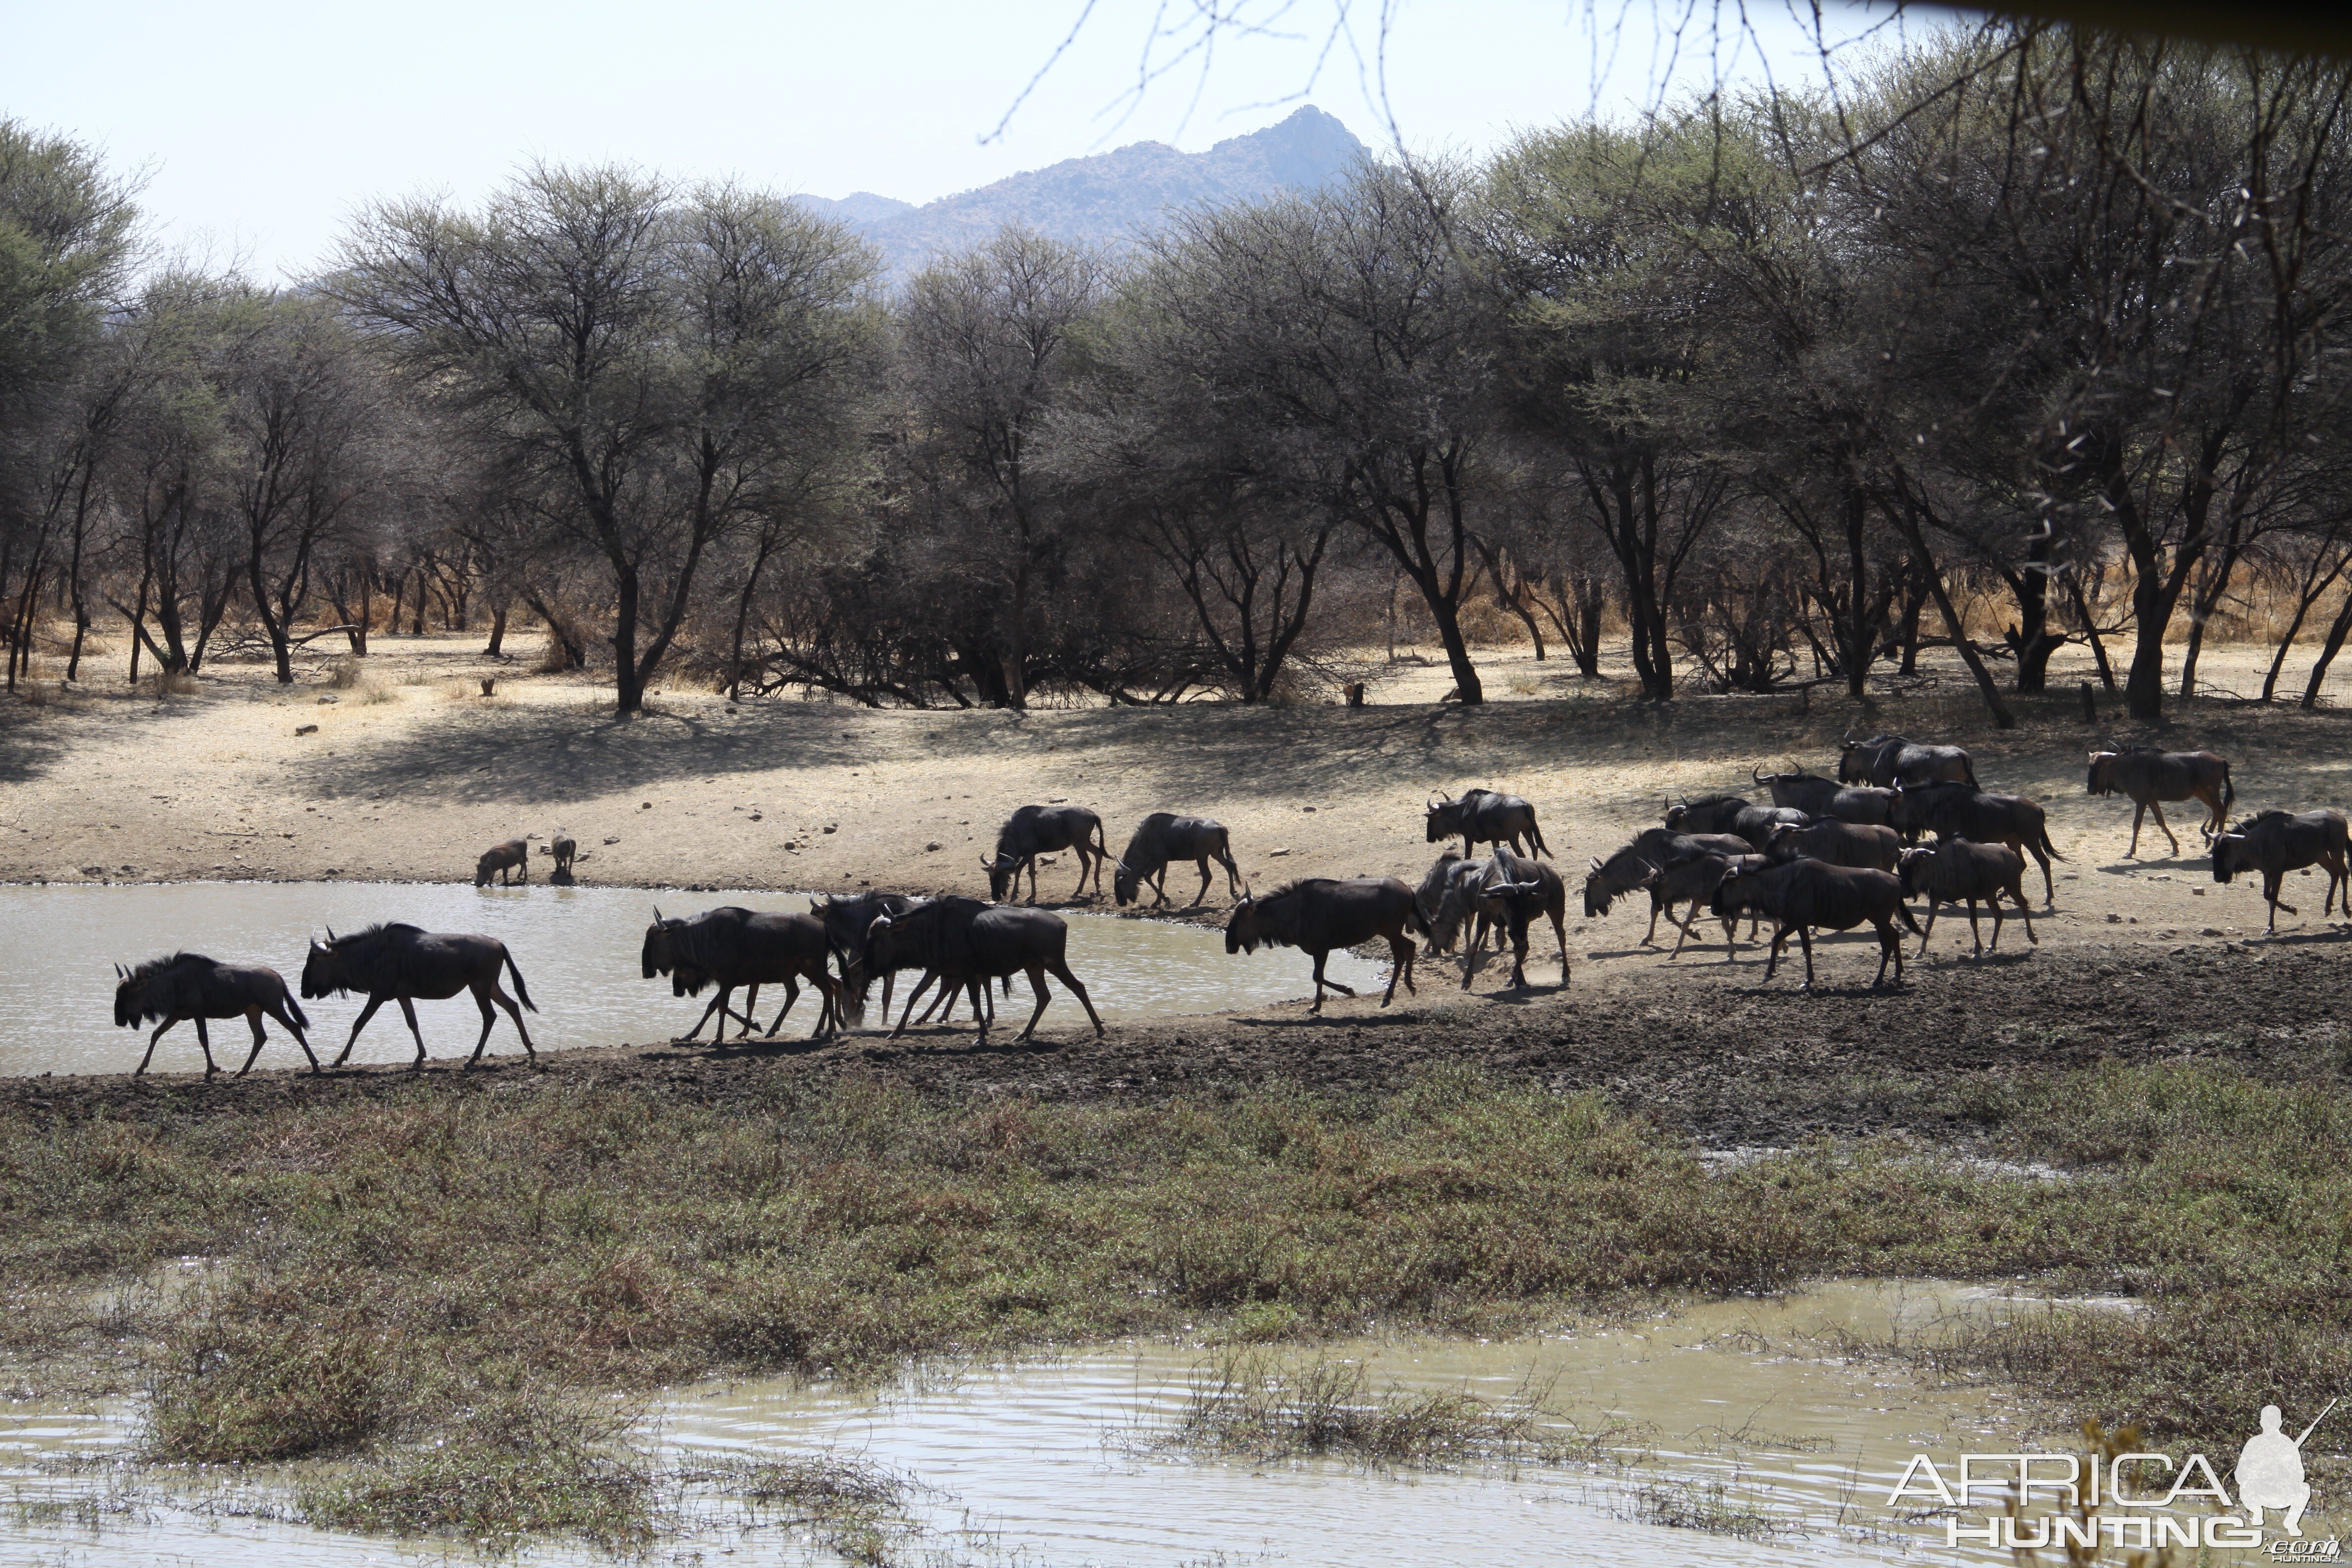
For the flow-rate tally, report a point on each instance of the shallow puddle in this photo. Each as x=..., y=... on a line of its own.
x=1718, y=1409
x=577, y=948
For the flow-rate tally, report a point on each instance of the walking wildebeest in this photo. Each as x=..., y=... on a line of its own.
x=1509, y=894
x=1696, y=878
x=1483, y=816
x=2276, y=842
x=846, y=923
x=1818, y=796
x=732, y=946
x=1164, y=837
x=1803, y=894
x=502, y=861
x=189, y=985
x=1036, y=830
x=1886, y=761
x=966, y=944
x=1733, y=814
x=1951, y=810
x=1638, y=865
x=2150, y=777
x=1955, y=871
x=398, y=962
x=1835, y=844
x=1316, y=914
x=565, y=849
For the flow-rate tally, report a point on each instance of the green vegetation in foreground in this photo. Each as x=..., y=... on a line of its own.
x=429, y=1290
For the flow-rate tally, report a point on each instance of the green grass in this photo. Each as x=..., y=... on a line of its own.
x=391, y=1280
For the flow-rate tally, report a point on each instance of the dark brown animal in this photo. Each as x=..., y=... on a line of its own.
x=1819, y=797
x=732, y=946
x=2149, y=777
x=565, y=850
x=1483, y=816
x=1162, y=838
x=1804, y=894
x=1835, y=844
x=1316, y=914
x=1036, y=830
x=1963, y=811
x=964, y=942
x=1509, y=893
x=189, y=985
x=1955, y=871
x=2276, y=842
x=502, y=861
x=1732, y=814
x=1886, y=761
x=399, y=963
x=1638, y=865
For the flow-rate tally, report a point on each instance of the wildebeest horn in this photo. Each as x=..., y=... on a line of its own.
x=1596, y=862
x=658, y=920
x=120, y=973
x=986, y=864
x=1846, y=738
x=330, y=936
x=1754, y=775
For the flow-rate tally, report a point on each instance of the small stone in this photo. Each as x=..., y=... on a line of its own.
x=306, y=729
x=2209, y=930
x=1306, y=808
x=644, y=805
x=2115, y=919
x=755, y=816
x=612, y=841
x=1278, y=854
x=932, y=848
x=828, y=827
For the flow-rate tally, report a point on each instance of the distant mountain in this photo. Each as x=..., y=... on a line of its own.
x=1106, y=199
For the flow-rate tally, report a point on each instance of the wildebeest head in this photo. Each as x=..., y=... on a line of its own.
x=1674, y=813
x=2232, y=856
x=1001, y=869
x=1125, y=883
x=1241, y=926
x=133, y=1000
x=1854, y=760
x=1911, y=869
x=2102, y=780
x=324, y=969
x=1736, y=891
x=1444, y=818
x=655, y=957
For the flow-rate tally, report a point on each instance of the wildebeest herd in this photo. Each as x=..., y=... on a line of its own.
x=1899, y=822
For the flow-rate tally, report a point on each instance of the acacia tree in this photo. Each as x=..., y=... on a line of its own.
x=641, y=356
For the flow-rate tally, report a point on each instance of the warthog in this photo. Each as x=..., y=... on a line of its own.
x=1162, y=837
x=399, y=963
x=1481, y=816
x=1963, y=811
x=1818, y=796
x=1036, y=830
x=1733, y=814
x=189, y=985
x=502, y=861
x=2150, y=777
x=1835, y=844
x=1889, y=760
x=1804, y=894
x=1506, y=896
x=2276, y=842
x=565, y=851
x=1955, y=871
x=966, y=943
x=1316, y=914
x=732, y=946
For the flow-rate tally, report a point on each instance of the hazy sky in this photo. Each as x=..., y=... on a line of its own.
x=263, y=125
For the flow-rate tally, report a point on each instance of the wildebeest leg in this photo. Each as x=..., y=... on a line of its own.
x=1655, y=901
x=1889, y=946
x=977, y=986
x=1317, y=1007
x=912, y=997
x=1399, y=965
x=2157, y=807
x=1232, y=873
x=1805, y=941
x=408, y=1011
x=278, y=1011
x=1933, y=905
x=2139, y=811
x=150, y=1044
x=714, y=1005
x=1060, y=970
x=204, y=1040
x=2272, y=882
x=2049, y=891
x=1031, y=864
x=1559, y=929
x=1086, y=858
x=1037, y=988
x=489, y=1018
x=1203, y=864
x=253, y=1017
x=1975, y=933
x=366, y=1014
x=1772, y=953
x=1520, y=958
x=1159, y=888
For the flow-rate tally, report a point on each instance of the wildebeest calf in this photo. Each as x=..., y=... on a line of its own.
x=502, y=861
x=2277, y=842
x=189, y=985
x=1954, y=871
x=1803, y=894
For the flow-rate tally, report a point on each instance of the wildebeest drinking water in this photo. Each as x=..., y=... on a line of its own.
x=189, y=985
x=1036, y=830
x=966, y=944
x=1163, y=837
x=1483, y=816
x=2276, y=842
x=502, y=860
x=397, y=963
x=1317, y=914
x=732, y=946
x=2149, y=777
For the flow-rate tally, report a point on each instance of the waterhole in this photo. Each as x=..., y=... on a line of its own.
x=577, y=948
x=1729, y=1432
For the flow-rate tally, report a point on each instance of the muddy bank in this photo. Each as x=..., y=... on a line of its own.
x=1706, y=1052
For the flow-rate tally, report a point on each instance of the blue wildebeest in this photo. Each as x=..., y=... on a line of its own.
x=502, y=860
x=398, y=962
x=732, y=946
x=1316, y=914
x=1819, y=797
x=1955, y=871
x=1483, y=816
x=1696, y=878
x=1951, y=810
x=2149, y=777
x=1835, y=844
x=1886, y=760
x=964, y=943
x=1638, y=865
x=1733, y=814
x=1505, y=896
x=1036, y=830
x=1805, y=894
x=1162, y=837
x=846, y=922
x=2276, y=842
x=189, y=985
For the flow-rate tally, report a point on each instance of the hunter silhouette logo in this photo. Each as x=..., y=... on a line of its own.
x=2269, y=1472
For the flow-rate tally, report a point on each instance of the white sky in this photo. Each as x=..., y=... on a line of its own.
x=263, y=125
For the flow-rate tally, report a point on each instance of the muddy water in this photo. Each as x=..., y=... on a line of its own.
x=577, y=947
x=1068, y=1463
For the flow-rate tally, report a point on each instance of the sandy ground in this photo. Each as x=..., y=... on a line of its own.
x=409, y=776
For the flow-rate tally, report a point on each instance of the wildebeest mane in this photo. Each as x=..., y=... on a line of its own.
x=1720, y=799
x=155, y=967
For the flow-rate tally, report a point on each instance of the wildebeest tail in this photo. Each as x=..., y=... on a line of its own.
x=522, y=993
x=2229, y=790
x=2047, y=847
x=1535, y=832
x=1415, y=920
x=293, y=1009
x=1903, y=913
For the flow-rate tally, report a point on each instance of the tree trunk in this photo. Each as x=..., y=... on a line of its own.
x=629, y=684
x=2337, y=632
x=498, y=628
